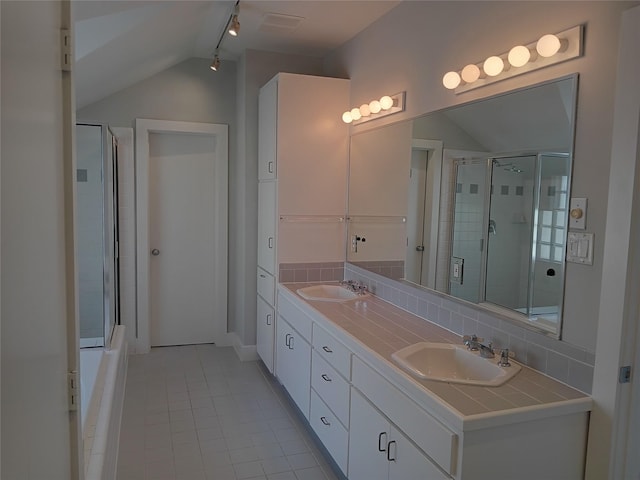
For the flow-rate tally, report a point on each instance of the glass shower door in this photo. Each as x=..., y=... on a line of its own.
x=467, y=254
x=90, y=234
x=97, y=234
x=511, y=218
x=550, y=235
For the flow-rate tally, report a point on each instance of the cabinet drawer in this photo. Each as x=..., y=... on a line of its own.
x=330, y=386
x=429, y=434
x=299, y=320
x=332, y=351
x=332, y=434
x=266, y=286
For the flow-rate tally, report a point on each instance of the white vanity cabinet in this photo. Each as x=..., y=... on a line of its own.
x=293, y=352
x=293, y=364
x=265, y=332
x=303, y=155
x=378, y=423
x=330, y=393
x=379, y=451
x=267, y=226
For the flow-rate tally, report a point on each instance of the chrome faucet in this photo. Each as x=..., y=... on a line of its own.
x=354, y=286
x=475, y=344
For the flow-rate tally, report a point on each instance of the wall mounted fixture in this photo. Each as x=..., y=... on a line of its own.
x=232, y=27
x=549, y=50
x=375, y=109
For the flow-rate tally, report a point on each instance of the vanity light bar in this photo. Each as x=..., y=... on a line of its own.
x=375, y=109
x=548, y=50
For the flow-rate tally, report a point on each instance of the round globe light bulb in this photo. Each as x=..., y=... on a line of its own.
x=346, y=117
x=451, y=80
x=386, y=102
x=355, y=114
x=548, y=45
x=519, y=56
x=470, y=73
x=493, y=66
x=374, y=106
x=365, y=111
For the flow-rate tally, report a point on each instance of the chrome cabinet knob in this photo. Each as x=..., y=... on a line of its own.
x=155, y=252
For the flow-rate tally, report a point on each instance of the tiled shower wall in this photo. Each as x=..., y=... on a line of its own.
x=564, y=362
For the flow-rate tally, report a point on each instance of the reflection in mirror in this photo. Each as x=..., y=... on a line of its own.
x=471, y=201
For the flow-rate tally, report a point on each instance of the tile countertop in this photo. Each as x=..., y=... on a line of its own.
x=375, y=329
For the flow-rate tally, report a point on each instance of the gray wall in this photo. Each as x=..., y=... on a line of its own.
x=440, y=36
x=189, y=91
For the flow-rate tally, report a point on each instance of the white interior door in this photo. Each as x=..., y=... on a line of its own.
x=181, y=182
x=181, y=231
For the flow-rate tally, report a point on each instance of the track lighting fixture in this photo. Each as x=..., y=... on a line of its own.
x=233, y=28
x=216, y=63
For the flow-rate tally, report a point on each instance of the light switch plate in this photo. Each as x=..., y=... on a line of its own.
x=580, y=248
x=578, y=214
x=457, y=270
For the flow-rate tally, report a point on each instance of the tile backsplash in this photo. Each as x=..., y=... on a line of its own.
x=311, y=272
x=557, y=359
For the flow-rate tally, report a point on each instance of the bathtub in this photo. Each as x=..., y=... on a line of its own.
x=102, y=381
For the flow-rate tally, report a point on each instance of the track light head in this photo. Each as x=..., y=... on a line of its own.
x=215, y=65
x=234, y=27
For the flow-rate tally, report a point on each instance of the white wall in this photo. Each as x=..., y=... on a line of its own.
x=440, y=36
x=37, y=428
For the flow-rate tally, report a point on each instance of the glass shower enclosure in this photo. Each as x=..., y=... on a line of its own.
x=97, y=234
x=509, y=233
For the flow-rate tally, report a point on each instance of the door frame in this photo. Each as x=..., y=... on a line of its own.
x=145, y=127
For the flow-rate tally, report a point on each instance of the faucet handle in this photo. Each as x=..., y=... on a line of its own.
x=504, y=358
x=472, y=342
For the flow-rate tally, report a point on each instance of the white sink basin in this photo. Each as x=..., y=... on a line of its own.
x=446, y=362
x=328, y=293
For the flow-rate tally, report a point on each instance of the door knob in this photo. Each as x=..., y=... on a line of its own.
x=155, y=252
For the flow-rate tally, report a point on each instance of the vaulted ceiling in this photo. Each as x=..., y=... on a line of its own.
x=119, y=43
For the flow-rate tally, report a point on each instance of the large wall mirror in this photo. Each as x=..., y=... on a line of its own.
x=471, y=201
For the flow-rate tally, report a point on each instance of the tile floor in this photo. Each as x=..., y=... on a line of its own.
x=198, y=413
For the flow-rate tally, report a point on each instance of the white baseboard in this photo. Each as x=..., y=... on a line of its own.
x=246, y=353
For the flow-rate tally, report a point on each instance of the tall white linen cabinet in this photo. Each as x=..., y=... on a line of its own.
x=303, y=161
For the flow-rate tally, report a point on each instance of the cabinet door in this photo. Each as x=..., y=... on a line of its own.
x=267, y=226
x=293, y=364
x=368, y=439
x=268, y=126
x=265, y=333
x=409, y=463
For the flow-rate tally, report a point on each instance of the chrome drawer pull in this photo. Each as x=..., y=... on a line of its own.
x=325, y=377
x=327, y=349
x=325, y=421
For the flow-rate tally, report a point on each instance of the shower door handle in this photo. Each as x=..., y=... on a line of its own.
x=155, y=252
